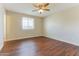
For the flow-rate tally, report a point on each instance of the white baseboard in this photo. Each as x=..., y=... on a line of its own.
x=63, y=41
x=45, y=36
x=19, y=38
x=1, y=47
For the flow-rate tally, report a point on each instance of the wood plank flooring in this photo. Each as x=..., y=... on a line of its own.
x=39, y=46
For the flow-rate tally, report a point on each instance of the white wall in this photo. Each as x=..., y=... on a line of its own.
x=14, y=26
x=1, y=25
x=63, y=26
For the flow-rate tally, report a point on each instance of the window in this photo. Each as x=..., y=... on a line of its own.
x=27, y=23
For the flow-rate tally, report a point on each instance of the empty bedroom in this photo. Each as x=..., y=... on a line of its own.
x=39, y=29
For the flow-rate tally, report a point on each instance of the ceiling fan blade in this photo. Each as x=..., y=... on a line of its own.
x=46, y=9
x=45, y=5
x=36, y=6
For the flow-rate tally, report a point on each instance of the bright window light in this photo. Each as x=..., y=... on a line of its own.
x=27, y=23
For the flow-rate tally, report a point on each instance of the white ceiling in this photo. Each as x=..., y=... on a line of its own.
x=28, y=7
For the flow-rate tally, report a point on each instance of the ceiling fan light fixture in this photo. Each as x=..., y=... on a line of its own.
x=40, y=11
x=41, y=7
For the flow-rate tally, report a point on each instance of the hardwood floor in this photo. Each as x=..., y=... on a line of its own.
x=39, y=46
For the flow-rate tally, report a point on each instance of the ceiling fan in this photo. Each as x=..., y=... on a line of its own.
x=41, y=7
